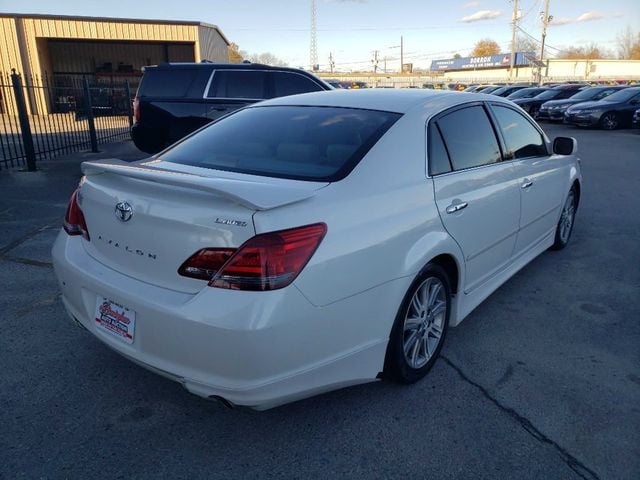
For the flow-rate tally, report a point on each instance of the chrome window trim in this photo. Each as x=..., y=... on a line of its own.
x=208, y=85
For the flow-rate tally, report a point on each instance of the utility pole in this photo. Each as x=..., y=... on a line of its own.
x=375, y=61
x=514, y=25
x=313, y=40
x=545, y=23
x=401, y=54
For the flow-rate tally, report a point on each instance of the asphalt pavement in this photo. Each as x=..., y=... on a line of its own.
x=542, y=381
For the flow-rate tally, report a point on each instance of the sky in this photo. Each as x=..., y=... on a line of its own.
x=351, y=30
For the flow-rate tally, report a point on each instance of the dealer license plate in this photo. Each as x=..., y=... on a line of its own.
x=115, y=319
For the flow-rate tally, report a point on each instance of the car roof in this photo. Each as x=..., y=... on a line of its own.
x=206, y=65
x=389, y=100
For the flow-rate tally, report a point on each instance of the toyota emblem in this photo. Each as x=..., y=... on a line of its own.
x=124, y=211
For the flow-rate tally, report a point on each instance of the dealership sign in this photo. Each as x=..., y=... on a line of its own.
x=501, y=60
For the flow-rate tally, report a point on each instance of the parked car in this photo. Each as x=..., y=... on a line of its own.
x=508, y=90
x=334, y=83
x=471, y=88
x=554, y=109
x=174, y=99
x=528, y=92
x=487, y=88
x=532, y=105
x=271, y=256
x=636, y=119
x=610, y=113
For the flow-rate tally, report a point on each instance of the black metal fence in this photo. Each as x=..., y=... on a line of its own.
x=41, y=118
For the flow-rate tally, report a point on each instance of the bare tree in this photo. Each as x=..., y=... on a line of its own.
x=267, y=58
x=628, y=44
x=526, y=44
x=589, y=52
x=486, y=46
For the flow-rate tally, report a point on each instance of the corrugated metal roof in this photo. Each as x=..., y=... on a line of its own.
x=115, y=20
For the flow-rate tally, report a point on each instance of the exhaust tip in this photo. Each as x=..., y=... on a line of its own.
x=223, y=401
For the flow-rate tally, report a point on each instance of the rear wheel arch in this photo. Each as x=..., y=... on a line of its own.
x=448, y=263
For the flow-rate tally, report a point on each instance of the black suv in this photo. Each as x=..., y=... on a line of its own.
x=174, y=99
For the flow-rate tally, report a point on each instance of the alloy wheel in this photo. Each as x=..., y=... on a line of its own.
x=424, y=322
x=567, y=216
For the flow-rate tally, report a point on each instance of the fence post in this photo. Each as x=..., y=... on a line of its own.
x=129, y=109
x=90, y=119
x=23, y=118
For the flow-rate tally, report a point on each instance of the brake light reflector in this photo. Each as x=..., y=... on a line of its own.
x=74, y=223
x=205, y=263
x=270, y=260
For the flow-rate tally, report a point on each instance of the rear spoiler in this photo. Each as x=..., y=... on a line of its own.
x=251, y=194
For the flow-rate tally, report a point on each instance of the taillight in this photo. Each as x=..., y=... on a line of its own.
x=265, y=262
x=74, y=223
x=136, y=109
x=205, y=263
x=270, y=260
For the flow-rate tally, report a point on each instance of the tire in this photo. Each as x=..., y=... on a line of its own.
x=609, y=121
x=567, y=220
x=418, y=330
x=534, y=112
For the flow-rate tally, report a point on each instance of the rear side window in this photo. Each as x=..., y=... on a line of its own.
x=238, y=84
x=469, y=138
x=292, y=83
x=304, y=143
x=166, y=83
x=438, y=157
x=521, y=138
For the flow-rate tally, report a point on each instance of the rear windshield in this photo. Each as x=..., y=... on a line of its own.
x=173, y=83
x=304, y=143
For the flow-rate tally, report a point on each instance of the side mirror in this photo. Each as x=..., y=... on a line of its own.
x=565, y=146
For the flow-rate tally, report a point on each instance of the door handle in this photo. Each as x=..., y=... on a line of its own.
x=456, y=207
x=527, y=183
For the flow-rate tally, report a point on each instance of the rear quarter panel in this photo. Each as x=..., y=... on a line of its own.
x=382, y=221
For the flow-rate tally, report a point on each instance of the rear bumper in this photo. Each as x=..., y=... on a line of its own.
x=256, y=349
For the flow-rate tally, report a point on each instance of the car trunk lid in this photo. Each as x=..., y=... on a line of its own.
x=145, y=219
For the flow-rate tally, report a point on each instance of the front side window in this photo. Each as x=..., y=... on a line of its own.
x=304, y=142
x=249, y=84
x=469, y=138
x=521, y=138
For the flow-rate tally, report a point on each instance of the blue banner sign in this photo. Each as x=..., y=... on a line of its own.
x=501, y=60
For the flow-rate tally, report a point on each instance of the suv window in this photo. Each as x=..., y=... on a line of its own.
x=305, y=143
x=292, y=83
x=166, y=83
x=438, y=157
x=238, y=84
x=469, y=138
x=521, y=138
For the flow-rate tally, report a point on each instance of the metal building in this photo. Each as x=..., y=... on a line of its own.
x=61, y=48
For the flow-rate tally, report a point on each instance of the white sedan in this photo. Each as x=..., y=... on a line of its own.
x=311, y=242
